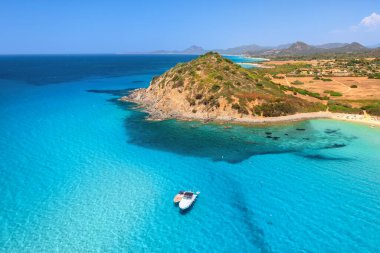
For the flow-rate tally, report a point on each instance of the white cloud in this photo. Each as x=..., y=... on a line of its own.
x=371, y=21
x=366, y=30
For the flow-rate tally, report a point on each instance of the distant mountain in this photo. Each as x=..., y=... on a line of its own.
x=196, y=50
x=374, y=46
x=331, y=45
x=282, y=46
x=298, y=48
x=349, y=48
x=242, y=49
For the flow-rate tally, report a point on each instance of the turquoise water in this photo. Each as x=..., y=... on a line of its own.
x=244, y=61
x=82, y=172
x=239, y=58
x=247, y=66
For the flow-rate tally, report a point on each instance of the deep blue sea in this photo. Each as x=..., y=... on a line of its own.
x=82, y=172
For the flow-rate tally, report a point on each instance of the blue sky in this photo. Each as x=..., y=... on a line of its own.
x=91, y=26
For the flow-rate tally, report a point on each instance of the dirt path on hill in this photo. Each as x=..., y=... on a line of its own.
x=287, y=82
x=348, y=87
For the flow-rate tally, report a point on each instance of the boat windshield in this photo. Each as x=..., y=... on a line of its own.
x=188, y=195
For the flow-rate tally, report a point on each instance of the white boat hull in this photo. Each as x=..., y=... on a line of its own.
x=185, y=203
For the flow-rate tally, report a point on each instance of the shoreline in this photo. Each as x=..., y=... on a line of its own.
x=258, y=64
x=357, y=118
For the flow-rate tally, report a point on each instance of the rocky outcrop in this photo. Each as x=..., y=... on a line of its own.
x=211, y=88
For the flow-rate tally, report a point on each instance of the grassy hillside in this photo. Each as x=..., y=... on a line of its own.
x=212, y=82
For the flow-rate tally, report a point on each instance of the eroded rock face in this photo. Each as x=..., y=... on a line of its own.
x=211, y=87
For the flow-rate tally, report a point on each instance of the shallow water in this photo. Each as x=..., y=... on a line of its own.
x=245, y=62
x=81, y=172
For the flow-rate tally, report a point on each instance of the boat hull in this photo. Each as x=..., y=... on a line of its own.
x=186, y=203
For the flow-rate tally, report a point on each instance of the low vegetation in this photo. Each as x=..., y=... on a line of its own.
x=372, y=108
x=213, y=85
x=297, y=82
x=333, y=93
x=356, y=106
x=374, y=76
x=284, y=69
x=336, y=106
x=324, y=69
x=303, y=92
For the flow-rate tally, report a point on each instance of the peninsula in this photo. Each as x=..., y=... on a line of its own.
x=212, y=88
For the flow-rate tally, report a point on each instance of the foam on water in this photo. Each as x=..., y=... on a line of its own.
x=80, y=172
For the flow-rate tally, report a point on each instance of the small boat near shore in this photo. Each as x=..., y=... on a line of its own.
x=187, y=200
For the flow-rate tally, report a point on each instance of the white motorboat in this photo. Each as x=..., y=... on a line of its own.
x=187, y=200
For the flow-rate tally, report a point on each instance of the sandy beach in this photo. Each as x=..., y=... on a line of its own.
x=369, y=120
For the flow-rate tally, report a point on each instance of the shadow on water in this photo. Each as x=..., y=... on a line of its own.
x=325, y=158
x=118, y=93
x=254, y=233
x=229, y=143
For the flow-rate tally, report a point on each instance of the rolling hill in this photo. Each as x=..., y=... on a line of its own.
x=212, y=87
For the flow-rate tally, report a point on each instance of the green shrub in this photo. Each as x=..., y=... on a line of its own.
x=274, y=109
x=239, y=108
x=228, y=60
x=373, y=108
x=303, y=92
x=343, y=109
x=235, y=106
x=229, y=84
x=215, y=88
x=336, y=106
x=354, y=86
x=336, y=94
x=333, y=93
x=374, y=76
x=214, y=103
x=297, y=82
x=219, y=77
x=178, y=83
